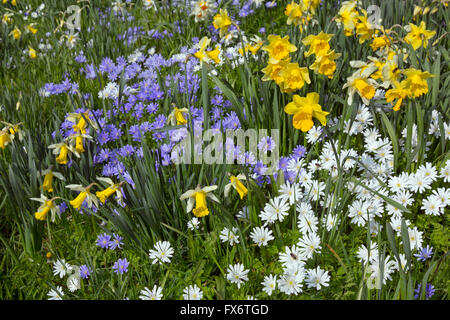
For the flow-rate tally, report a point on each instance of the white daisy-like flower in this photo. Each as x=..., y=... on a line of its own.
x=304, y=208
x=57, y=294
x=61, y=268
x=237, y=274
x=428, y=171
x=445, y=172
x=290, y=192
x=331, y=221
x=291, y=281
x=419, y=182
x=443, y=194
x=307, y=223
x=73, y=283
x=231, y=236
x=415, y=238
x=277, y=207
x=193, y=223
x=162, y=253
x=365, y=255
x=396, y=224
x=261, y=236
x=432, y=206
x=154, y=294
x=317, y=278
x=192, y=292
x=292, y=258
x=313, y=135
x=309, y=244
x=270, y=284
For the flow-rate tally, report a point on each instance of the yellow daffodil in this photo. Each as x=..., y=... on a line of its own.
x=198, y=197
x=32, y=53
x=63, y=150
x=361, y=82
x=48, y=174
x=278, y=48
x=390, y=72
x=363, y=28
x=6, y=19
x=325, y=64
x=81, y=121
x=114, y=188
x=416, y=82
x=207, y=56
x=399, y=93
x=222, y=22
x=294, y=77
x=418, y=35
x=304, y=110
x=272, y=71
x=347, y=16
x=318, y=44
x=31, y=28
x=16, y=33
x=295, y=13
x=176, y=117
x=84, y=194
x=48, y=205
x=235, y=182
x=5, y=138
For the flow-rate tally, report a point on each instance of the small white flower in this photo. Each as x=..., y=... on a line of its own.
x=261, y=236
x=61, y=268
x=192, y=293
x=154, y=294
x=230, y=236
x=56, y=294
x=317, y=278
x=237, y=274
x=162, y=253
x=269, y=283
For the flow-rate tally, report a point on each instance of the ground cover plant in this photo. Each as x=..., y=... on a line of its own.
x=119, y=180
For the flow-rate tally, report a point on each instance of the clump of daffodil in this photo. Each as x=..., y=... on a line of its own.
x=418, y=35
x=197, y=197
x=176, y=117
x=207, y=55
x=278, y=48
x=48, y=174
x=320, y=47
x=222, y=22
x=235, y=182
x=304, y=110
x=48, y=205
x=84, y=194
x=16, y=33
x=63, y=150
x=114, y=188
